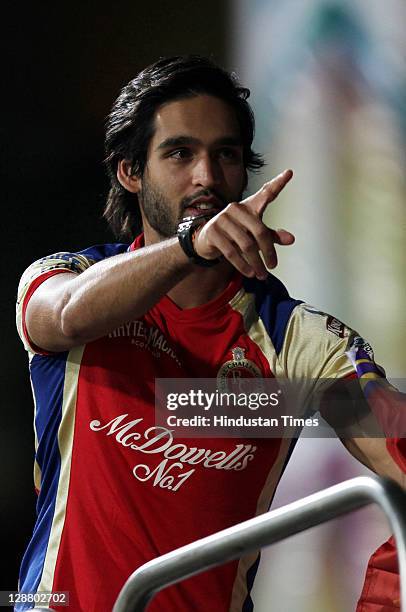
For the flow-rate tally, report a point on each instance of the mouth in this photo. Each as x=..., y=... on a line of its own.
x=207, y=206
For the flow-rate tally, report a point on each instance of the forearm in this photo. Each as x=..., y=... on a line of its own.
x=84, y=307
x=373, y=453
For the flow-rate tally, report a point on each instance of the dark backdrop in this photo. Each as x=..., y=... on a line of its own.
x=62, y=68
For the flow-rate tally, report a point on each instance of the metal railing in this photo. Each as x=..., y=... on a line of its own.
x=266, y=529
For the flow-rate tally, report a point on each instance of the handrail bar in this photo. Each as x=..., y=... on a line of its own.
x=266, y=529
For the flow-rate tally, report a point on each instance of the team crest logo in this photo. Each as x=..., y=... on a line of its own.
x=232, y=372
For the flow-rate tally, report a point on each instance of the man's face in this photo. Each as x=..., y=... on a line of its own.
x=194, y=164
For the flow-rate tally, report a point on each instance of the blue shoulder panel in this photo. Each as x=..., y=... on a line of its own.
x=274, y=306
x=101, y=251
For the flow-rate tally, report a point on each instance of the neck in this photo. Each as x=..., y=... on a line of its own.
x=202, y=285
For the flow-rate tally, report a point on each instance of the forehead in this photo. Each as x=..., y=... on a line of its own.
x=204, y=117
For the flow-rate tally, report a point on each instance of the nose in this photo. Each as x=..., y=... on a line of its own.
x=206, y=172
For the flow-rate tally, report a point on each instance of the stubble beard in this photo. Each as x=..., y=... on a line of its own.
x=157, y=210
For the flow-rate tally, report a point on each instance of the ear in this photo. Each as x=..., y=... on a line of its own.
x=130, y=182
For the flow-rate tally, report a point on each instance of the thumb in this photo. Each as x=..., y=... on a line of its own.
x=268, y=192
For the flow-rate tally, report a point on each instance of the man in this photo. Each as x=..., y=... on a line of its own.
x=114, y=490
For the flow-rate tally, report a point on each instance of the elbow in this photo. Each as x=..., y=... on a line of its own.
x=70, y=321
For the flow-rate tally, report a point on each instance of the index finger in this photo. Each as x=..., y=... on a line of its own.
x=268, y=192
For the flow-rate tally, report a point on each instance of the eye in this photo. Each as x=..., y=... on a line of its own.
x=229, y=154
x=180, y=154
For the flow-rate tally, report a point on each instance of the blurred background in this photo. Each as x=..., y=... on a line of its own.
x=328, y=81
x=328, y=85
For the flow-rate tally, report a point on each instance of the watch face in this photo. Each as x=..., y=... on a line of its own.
x=188, y=222
x=185, y=224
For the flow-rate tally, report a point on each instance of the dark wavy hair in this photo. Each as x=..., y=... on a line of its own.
x=130, y=125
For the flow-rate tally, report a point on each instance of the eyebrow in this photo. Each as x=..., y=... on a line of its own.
x=179, y=141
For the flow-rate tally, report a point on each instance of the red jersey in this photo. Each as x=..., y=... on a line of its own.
x=115, y=491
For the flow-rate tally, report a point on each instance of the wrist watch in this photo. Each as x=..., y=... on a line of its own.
x=186, y=232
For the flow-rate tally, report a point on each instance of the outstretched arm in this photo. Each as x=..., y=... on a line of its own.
x=71, y=309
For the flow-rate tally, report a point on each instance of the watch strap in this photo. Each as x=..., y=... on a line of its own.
x=187, y=229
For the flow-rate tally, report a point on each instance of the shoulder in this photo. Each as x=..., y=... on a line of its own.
x=56, y=263
x=311, y=321
x=102, y=251
x=308, y=341
x=316, y=344
x=80, y=260
x=69, y=261
x=274, y=306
